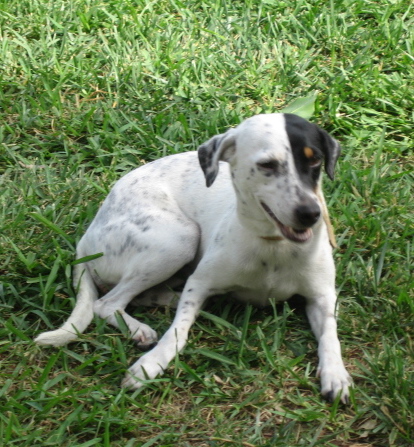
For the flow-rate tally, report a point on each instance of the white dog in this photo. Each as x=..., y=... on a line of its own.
x=258, y=230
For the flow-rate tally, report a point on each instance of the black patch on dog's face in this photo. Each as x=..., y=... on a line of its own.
x=310, y=143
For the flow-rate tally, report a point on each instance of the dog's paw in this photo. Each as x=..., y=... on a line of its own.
x=144, y=336
x=335, y=380
x=59, y=337
x=144, y=369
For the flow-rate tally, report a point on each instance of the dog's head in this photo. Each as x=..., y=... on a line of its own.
x=275, y=163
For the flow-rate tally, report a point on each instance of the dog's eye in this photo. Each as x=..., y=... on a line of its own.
x=270, y=166
x=314, y=160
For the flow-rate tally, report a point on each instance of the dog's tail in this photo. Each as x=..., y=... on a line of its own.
x=81, y=315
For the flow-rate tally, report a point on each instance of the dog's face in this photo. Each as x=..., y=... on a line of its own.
x=275, y=163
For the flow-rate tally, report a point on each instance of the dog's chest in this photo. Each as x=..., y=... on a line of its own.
x=264, y=277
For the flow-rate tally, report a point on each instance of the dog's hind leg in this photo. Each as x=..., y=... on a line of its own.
x=81, y=315
x=161, y=295
x=163, y=258
x=112, y=306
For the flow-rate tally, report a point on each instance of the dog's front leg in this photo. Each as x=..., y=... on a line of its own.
x=156, y=361
x=331, y=370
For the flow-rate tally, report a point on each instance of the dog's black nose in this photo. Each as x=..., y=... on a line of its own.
x=307, y=215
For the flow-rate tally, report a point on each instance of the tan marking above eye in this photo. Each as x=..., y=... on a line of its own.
x=308, y=152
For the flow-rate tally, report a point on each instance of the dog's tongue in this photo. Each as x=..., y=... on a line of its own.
x=295, y=235
x=289, y=232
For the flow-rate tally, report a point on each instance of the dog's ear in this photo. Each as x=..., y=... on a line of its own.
x=331, y=150
x=220, y=147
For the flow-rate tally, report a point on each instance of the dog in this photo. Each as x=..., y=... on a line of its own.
x=252, y=223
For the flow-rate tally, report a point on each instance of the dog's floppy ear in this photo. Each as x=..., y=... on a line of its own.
x=331, y=150
x=220, y=147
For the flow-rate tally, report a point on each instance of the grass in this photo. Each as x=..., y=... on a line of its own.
x=90, y=89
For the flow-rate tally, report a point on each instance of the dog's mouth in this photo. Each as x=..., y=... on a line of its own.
x=290, y=233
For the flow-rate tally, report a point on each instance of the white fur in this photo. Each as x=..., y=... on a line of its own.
x=161, y=217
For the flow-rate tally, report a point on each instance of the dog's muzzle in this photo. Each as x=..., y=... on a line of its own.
x=308, y=218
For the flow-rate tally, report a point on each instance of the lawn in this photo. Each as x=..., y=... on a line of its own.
x=90, y=89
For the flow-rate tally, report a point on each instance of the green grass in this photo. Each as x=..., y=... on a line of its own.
x=89, y=89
